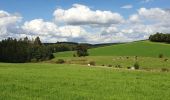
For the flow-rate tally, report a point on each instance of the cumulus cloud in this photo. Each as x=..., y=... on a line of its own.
x=141, y=25
x=77, y=24
x=127, y=7
x=83, y=15
x=134, y=19
x=8, y=23
x=47, y=30
x=155, y=14
x=146, y=1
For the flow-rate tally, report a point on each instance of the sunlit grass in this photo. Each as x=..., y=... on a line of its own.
x=74, y=82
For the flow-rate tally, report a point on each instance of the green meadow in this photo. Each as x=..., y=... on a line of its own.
x=139, y=48
x=147, y=54
x=148, y=63
x=44, y=81
x=74, y=80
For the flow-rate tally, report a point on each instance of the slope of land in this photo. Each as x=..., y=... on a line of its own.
x=140, y=48
x=124, y=55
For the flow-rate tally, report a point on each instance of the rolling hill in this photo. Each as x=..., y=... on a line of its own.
x=139, y=48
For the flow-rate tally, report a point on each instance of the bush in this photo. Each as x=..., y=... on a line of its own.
x=136, y=57
x=136, y=65
x=74, y=55
x=165, y=70
x=160, y=56
x=103, y=65
x=34, y=60
x=118, y=66
x=128, y=67
x=60, y=61
x=166, y=60
x=93, y=63
x=109, y=65
x=82, y=50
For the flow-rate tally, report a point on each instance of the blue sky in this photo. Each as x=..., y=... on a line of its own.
x=92, y=21
x=31, y=9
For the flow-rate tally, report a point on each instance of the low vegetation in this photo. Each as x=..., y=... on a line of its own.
x=60, y=61
x=136, y=65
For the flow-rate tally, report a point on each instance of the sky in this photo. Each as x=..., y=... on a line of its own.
x=90, y=21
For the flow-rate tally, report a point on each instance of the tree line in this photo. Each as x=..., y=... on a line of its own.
x=160, y=37
x=24, y=50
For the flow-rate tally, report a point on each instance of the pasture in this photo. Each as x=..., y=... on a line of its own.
x=139, y=48
x=124, y=55
x=44, y=81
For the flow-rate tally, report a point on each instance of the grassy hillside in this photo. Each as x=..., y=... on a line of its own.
x=141, y=48
x=144, y=62
x=74, y=82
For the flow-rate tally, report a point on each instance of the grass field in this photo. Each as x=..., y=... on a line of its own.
x=43, y=81
x=74, y=80
x=140, y=48
x=144, y=62
x=124, y=55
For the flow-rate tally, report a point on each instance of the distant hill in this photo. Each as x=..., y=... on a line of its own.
x=138, y=48
x=87, y=44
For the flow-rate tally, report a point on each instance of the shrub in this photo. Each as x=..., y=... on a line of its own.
x=93, y=63
x=82, y=50
x=128, y=67
x=74, y=55
x=165, y=70
x=103, y=65
x=51, y=56
x=118, y=66
x=136, y=57
x=165, y=59
x=60, y=61
x=34, y=60
x=127, y=57
x=160, y=56
x=136, y=65
x=109, y=65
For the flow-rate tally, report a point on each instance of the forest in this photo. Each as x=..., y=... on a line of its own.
x=24, y=50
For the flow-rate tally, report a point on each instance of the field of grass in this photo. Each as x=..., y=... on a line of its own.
x=123, y=61
x=140, y=48
x=44, y=81
x=124, y=55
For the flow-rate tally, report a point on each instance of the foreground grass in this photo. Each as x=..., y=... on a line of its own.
x=74, y=82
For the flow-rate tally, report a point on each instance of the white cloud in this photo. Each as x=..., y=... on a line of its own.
x=127, y=7
x=40, y=27
x=134, y=19
x=8, y=23
x=83, y=15
x=76, y=24
x=47, y=30
x=146, y=1
x=154, y=14
x=141, y=25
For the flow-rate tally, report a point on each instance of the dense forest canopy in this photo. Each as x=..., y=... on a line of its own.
x=160, y=37
x=23, y=50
